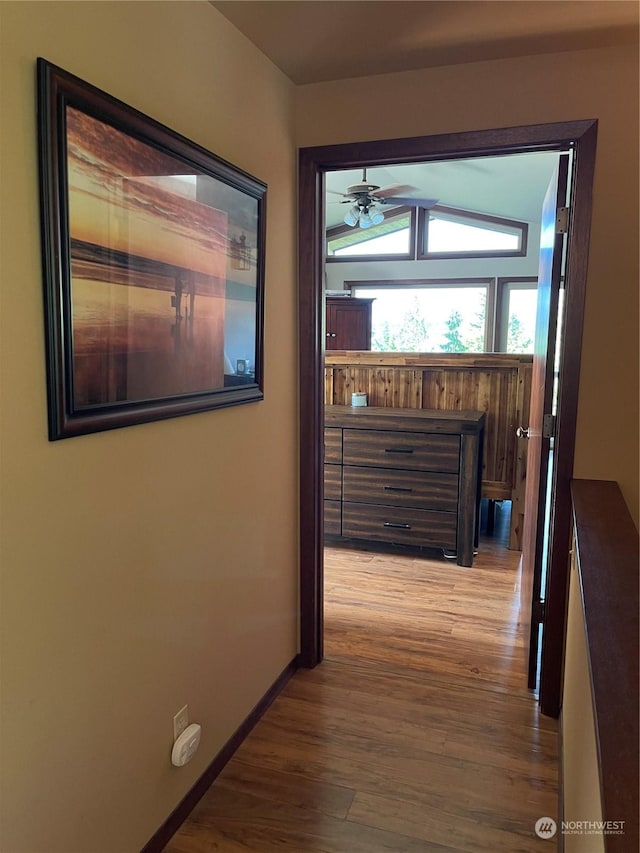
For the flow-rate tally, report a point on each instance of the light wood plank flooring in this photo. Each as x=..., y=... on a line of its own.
x=416, y=733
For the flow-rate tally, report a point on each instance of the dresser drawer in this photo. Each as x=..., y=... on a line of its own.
x=409, y=450
x=333, y=445
x=402, y=526
x=332, y=518
x=388, y=486
x=333, y=482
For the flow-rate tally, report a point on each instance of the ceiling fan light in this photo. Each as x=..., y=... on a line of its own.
x=365, y=220
x=377, y=217
x=352, y=216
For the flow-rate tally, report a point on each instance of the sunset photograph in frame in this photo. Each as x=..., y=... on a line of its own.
x=153, y=256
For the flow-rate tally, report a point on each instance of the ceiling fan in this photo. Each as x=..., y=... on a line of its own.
x=366, y=199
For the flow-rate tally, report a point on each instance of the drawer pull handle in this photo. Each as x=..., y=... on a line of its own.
x=398, y=450
x=396, y=489
x=399, y=526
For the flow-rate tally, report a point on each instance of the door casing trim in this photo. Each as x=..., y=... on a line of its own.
x=313, y=163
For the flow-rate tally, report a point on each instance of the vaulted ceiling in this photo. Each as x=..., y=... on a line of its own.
x=318, y=40
x=511, y=186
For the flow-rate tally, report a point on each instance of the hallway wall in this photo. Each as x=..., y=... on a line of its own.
x=152, y=566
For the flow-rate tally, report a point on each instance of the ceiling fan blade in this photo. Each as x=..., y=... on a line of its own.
x=393, y=190
x=335, y=192
x=411, y=202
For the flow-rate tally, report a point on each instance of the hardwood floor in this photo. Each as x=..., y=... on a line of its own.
x=415, y=734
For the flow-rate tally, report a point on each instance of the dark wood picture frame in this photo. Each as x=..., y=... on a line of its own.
x=153, y=259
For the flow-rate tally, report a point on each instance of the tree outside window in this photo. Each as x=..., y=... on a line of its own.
x=427, y=319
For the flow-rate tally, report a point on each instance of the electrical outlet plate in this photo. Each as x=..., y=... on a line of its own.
x=180, y=721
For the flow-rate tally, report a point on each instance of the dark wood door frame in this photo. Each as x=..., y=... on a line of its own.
x=313, y=164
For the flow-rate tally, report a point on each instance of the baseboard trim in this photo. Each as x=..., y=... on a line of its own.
x=178, y=816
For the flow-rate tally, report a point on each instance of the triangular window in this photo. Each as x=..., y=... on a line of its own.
x=450, y=233
x=395, y=237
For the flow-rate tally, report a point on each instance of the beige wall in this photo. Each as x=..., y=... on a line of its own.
x=581, y=798
x=600, y=84
x=155, y=565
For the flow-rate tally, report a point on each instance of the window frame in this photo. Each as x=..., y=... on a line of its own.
x=497, y=302
x=457, y=214
x=343, y=228
x=504, y=288
x=489, y=282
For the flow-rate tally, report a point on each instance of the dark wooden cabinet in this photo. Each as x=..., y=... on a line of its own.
x=348, y=323
x=404, y=476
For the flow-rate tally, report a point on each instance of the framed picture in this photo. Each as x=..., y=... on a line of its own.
x=153, y=259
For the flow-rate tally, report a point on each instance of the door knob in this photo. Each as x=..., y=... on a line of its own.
x=522, y=432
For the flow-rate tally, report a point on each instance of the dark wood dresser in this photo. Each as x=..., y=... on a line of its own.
x=404, y=476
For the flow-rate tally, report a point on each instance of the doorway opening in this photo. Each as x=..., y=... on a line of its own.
x=450, y=268
x=315, y=163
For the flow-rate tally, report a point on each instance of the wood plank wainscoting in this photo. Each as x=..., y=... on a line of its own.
x=496, y=383
x=416, y=734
